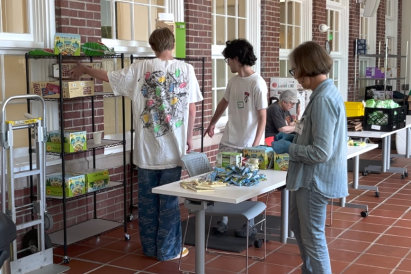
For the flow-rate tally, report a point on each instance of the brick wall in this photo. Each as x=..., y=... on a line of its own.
x=270, y=39
x=380, y=37
x=399, y=50
x=319, y=17
x=354, y=33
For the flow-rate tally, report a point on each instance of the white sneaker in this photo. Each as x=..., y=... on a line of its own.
x=184, y=253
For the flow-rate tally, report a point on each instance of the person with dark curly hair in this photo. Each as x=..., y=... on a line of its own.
x=246, y=93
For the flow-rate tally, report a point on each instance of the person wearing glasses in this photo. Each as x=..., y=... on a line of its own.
x=317, y=170
x=246, y=93
x=279, y=118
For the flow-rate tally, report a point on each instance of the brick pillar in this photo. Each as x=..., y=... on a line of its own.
x=319, y=17
x=354, y=33
x=81, y=17
x=399, y=49
x=380, y=37
x=270, y=39
x=197, y=15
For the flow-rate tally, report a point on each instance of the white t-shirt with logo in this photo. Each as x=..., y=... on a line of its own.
x=161, y=92
x=245, y=95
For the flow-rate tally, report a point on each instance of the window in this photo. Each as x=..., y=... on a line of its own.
x=295, y=28
x=230, y=20
x=21, y=31
x=389, y=8
x=337, y=20
x=127, y=24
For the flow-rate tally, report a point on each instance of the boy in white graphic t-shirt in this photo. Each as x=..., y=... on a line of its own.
x=164, y=92
x=246, y=94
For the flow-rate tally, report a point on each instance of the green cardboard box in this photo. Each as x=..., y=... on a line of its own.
x=96, y=179
x=67, y=44
x=281, y=161
x=180, y=36
x=229, y=158
x=74, y=184
x=264, y=154
x=74, y=141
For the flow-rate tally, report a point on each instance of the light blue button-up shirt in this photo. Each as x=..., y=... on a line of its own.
x=318, y=156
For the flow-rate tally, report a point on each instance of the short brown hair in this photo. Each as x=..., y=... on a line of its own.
x=310, y=59
x=161, y=40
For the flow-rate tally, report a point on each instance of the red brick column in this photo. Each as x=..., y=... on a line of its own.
x=380, y=37
x=354, y=33
x=319, y=17
x=399, y=49
x=270, y=39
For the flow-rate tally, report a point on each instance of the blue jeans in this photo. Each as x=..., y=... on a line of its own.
x=307, y=220
x=159, y=215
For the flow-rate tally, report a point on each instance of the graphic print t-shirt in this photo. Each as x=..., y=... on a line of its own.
x=161, y=92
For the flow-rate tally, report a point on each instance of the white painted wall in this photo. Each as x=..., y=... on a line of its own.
x=406, y=36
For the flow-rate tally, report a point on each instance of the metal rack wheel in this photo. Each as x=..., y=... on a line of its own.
x=364, y=214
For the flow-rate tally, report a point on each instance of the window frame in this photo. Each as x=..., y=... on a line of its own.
x=306, y=31
x=253, y=9
x=137, y=47
x=342, y=55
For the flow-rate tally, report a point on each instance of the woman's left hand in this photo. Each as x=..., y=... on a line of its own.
x=281, y=146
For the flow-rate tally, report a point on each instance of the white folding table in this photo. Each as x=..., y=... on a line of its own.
x=199, y=201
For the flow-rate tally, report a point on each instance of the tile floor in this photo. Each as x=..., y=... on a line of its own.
x=378, y=244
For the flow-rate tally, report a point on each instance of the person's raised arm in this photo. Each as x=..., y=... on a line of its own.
x=80, y=69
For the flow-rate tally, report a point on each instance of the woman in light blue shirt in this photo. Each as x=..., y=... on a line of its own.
x=318, y=156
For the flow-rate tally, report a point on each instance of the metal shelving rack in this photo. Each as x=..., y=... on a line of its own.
x=201, y=128
x=385, y=56
x=95, y=226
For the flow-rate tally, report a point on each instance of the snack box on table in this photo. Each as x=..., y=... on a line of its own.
x=264, y=154
x=74, y=141
x=96, y=179
x=74, y=184
x=281, y=161
x=71, y=89
x=229, y=158
x=67, y=67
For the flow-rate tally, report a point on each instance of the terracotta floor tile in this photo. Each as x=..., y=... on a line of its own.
x=401, y=196
x=111, y=269
x=123, y=246
x=394, y=241
x=403, y=223
x=345, y=216
x=378, y=220
x=378, y=261
x=400, y=231
x=77, y=266
x=99, y=241
x=234, y=264
x=365, y=269
x=338, y=267
x=134, y=261
x=361, y=226
x=382, y=213
x=393, y=201
x=278, y=258
x=400, y=208
x=218, y=271
x=119, y=233
x=401, y=272
x=102, y=255
x=333, y=231
x=73, y=251
x=405, y=265
x=386, y=250
x=359, y=235
x=191, y=257
x=168, y=268
x=265, y=268
x=343, y=224
x=349, y=245
x=343, y=255
x=289, y=248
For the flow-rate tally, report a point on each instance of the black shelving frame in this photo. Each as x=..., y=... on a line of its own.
x=201, y=128
x=62, y=154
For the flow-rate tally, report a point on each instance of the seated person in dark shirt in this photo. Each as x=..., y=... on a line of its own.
x=279, y=118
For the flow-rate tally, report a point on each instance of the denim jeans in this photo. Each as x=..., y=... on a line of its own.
x=307, y=220
x=159, y=215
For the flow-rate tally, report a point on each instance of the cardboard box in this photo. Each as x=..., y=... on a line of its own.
x=96, y=179
x=74, y=184
x=229, y=158
x=67, y=44
x=71, y=89
x=66, y=67
x=264, y=154
x=374, y=72
x=179, y=31
x=281, y=161
x=74, y=141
